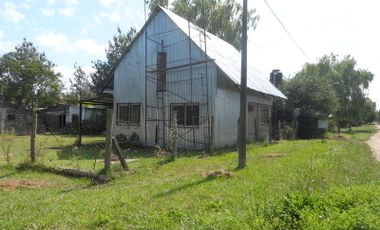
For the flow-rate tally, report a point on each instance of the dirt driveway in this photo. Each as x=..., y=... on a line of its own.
x=374, y=143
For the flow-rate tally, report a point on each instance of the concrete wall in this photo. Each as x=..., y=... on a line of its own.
x=14, y=121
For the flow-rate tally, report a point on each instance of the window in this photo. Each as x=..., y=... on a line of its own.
x=251, y=108
x=187, y=114
x=75, y=118
x=11, y=117
x=161, y=71
x=264, y=116
x=128, y=113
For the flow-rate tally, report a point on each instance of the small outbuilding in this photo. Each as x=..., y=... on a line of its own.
x=14, y=119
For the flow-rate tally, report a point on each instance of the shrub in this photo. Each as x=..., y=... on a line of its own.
x=133, y=141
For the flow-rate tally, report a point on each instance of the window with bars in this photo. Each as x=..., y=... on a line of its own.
x=187, y=114
x=128, y=114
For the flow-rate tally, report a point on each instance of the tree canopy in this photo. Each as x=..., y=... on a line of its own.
x=116, y=49
x=28, y=77
x=222, y=18
x=331, y=87
x=80, y=86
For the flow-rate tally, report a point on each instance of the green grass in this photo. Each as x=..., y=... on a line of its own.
x=292, y=184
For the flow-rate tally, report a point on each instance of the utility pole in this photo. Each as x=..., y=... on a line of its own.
x=243, y=93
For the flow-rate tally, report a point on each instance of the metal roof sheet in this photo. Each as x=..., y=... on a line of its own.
x=227, y=58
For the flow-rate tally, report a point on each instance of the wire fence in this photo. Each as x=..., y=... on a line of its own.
x=61, y=139
x=57, y=137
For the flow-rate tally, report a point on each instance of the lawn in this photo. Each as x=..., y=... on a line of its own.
x=305, y=184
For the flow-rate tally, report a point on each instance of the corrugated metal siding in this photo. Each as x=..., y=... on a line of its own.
x=130, y=82
x=228, y=59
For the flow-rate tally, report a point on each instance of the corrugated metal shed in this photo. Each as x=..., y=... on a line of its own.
x=227, y=58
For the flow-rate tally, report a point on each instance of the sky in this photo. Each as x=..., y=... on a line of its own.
x=78, y=31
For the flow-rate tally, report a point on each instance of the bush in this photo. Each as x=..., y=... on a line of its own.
x=133, y=141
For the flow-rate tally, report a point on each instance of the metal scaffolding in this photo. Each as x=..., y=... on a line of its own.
x=179, y=83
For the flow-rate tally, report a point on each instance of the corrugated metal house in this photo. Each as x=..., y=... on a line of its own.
x=172, y=65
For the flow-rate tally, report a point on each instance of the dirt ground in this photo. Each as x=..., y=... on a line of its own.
x=11, y=184
x=374, y=143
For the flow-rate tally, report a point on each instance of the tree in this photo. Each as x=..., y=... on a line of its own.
x=350, y=85
x=222, y=18
x=116, y=50
x=80, y=85
x=28, y=77
x=154, y=3
x=312, y=96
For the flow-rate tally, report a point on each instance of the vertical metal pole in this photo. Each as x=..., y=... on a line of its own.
x=191, y=84
x=80, y=124
x=107, y=158
x=33, y=136
x=146, y=92
x=243, y=94
x=174, y=135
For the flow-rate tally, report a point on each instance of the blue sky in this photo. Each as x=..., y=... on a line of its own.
x=77, y=31
x=68, y=31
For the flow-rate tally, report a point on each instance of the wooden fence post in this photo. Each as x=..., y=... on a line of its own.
x=33, y=134
x=107, y=157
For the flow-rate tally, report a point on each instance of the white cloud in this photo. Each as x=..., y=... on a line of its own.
x=1, y=34
x=67, y=74
x=71, y=2
x=48, y=12
x=11, y=13
x=67, y=11
x=5, y=46
x=97, y=20
x=109, y=3
x=58, y=42
x=89, y=46
x=51, y=2
x=115, y=17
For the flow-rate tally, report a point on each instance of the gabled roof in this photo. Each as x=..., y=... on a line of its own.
x=227, y=58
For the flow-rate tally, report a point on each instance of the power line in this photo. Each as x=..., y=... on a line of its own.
x=283, y=26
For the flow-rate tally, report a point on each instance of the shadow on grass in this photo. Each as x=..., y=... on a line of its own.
x=184, y=187
x=46, y=169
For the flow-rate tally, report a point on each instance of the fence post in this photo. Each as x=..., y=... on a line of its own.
x=174, y=133
x=107, y=157
x=33, y=136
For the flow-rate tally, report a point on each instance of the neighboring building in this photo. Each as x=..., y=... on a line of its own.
x=173, y=65
x=14, y=119
x=60, y=116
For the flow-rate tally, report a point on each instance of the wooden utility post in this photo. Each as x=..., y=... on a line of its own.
x=107, y=157
x=242, y=135
x=33, y=133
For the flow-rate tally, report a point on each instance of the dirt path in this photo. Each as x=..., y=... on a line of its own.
x=374, y=143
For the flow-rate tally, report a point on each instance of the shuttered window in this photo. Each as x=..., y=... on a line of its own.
x=161, y=71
